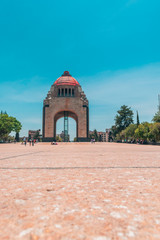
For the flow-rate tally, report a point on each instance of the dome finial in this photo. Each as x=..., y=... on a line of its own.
x=66, y=73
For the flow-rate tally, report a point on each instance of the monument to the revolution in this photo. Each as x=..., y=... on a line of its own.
x=65, y=99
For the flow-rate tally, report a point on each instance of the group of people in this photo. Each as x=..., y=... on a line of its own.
x=31, y=141
x=54, y=143
x=138, y=141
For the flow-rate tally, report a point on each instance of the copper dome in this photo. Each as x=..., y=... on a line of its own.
x=66, y=79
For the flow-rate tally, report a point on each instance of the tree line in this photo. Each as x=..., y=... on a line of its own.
x=126, y=130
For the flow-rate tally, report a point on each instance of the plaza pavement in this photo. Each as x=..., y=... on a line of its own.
x=85, y=191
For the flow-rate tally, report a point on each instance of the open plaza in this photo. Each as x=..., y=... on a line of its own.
x=101, y=191
x=79, y=120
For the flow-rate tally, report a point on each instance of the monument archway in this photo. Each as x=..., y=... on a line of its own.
x=66, y=115
x=65, y=98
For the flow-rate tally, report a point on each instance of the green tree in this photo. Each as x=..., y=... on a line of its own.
x=142, y=132
x=37, y=135
x=58, y=139
x=110, y=138
x=17, y=137
x=100, y=138
x=114, y=131
x=138, y=119
x=154, y=133
x=130, y=131
x=156, y=117
x=7, y=125
x=123, y=118
x=94, y=135
x=121, y=135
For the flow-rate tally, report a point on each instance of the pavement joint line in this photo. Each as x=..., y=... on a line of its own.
x=66, y=168
x=26, y=154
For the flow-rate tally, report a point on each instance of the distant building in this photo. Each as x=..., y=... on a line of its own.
x=102, y=136
x=34, y=133
x=64, y=137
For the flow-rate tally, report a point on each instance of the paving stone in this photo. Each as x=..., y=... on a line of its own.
x=86, y=191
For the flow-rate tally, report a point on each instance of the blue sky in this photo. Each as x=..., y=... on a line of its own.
x=111, y=47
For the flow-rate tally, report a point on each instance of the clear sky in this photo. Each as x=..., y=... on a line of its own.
x=111, y=47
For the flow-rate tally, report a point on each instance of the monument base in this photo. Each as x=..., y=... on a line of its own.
x=83, y=140
x=53, y=139
x=48, y=140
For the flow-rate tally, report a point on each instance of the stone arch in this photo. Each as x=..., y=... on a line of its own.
x=61, y=114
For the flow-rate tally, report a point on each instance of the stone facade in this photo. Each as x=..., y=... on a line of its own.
x=65, y=97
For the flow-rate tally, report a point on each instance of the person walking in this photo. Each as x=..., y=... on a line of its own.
x=24, y=141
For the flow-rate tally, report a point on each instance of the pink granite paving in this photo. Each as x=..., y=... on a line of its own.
x=86, y=191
